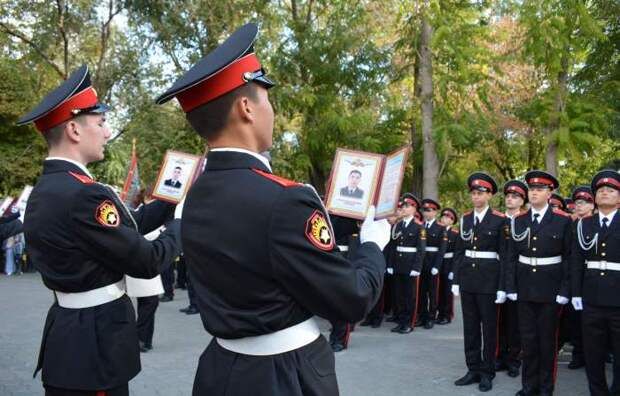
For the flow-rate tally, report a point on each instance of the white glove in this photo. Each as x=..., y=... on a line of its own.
x=178, y=211
x=577, y=303
x=414, y=273
x=500, y=297
x=375, y=231
x=390, y=271
x=434, y=271
x=451, y=276
x=455, y=290
x=561, y=300
x=512, y=296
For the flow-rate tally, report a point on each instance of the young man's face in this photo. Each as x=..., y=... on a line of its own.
x=583, y=208
x=94, y=136
x=513, y=201
x=354, y=180
x=429, y=214
x=176, y=173
x=539, y=196
x=607, y=197
x=480, y=199
x=407, y=210
x=264, y=118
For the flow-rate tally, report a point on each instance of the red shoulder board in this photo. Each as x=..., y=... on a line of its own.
x=83, y=178
x=467, y=213
x=418, y=222
x=280, y=180
x=560, y=212
x=498, y=213
x=521, y=214
x=452, y=230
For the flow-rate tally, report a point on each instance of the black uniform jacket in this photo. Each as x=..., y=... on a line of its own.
x=552, y=237
x=412, y=236
x=80, y=237
x=596, y=286
x=262, y=255
x=482, y=275
x=450, y=236
x=434, y=238
x=10, y=226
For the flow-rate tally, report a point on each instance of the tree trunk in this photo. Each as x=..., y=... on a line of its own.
x=431, y=162
x=551, y=156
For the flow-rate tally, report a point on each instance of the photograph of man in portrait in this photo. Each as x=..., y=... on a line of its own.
x=352, y=189
x=174, y=181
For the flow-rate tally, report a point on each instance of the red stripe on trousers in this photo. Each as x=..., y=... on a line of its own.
x=417, y=301
x=347, y=334
x=101, y=393
x=497, y=318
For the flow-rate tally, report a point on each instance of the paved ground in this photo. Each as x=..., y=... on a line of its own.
x=377, y=362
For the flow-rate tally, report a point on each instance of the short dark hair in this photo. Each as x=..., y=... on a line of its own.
x=178, y=167
x=53, y=136
x=355, y=171
x=209, y=119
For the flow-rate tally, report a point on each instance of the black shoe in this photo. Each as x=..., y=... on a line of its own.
x=165, y=298
x=397, y=328
x=500, y=366
x=513, y=371
x=405, y=330
x=366, y=322
x=391, y=318
x=468, y=379
x=376, y=324
x=443, y=321
x=191, y=310
x=576, y=364
x=486, y=384
x=524, y=392
x=337, y=347
x=420, y=323
x=184, y=310
x=429, y=325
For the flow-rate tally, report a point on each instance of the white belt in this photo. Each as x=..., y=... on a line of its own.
x=432, y=249
x=448, y=255
x=406, y=249
x=603, y=265
x=343, y=248
x=281, y=341
x=482, y=255
x=540, y=260
x=91, y=298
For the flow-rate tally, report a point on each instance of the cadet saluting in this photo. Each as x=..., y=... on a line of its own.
x=82, y=239
x=259, y=248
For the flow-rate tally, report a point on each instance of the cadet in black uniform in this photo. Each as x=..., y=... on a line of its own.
x=446, y=299
x=346, y=232
x=539, y=280
x=82, y=239
x=515, y=198
x=596, y=281
x=260, y=250
x=429, y=279
x=409, y=247
x=480, y=258
x=9, y=226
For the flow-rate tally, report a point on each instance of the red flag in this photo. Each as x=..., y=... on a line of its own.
x=131, y=189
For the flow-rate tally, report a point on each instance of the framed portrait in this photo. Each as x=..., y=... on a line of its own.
x=176, y=175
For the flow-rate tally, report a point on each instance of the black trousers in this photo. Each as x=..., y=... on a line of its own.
x=167, y=279
x=307, y=371
x=509, y=340
x=601, y=329
x=340, y=334
x=570, y=331
x=405, y=299
x=191, y=292
x=538, y=327
x=181, y=272
x=428, y=296
x=480, y=332
x=122, y=390
x=445, y=307
x=146, y=318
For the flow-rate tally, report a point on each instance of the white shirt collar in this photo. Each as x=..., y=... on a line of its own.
x=541, y=212
x=81, y=166
x=609, y=216
x=240, y=150
x=407, y=220
x=429, y=223
x=480, y=215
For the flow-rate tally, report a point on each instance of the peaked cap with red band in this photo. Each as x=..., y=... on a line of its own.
x=74, y=97
x=538, y=178
x=583, y=193
x=410, y=199
x=450, y=213
x=231, y=65
x=557, y=201
x=607, y=177
x=428, y=203
x=482, y=182
x=516, y=187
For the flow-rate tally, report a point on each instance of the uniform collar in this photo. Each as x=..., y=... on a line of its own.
x=259, y=157
x=542, y=212
x=219, y=159
x=480, y=215
x=609, y=216
x=80, y=166
x=429, y=224
x=407, y=221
